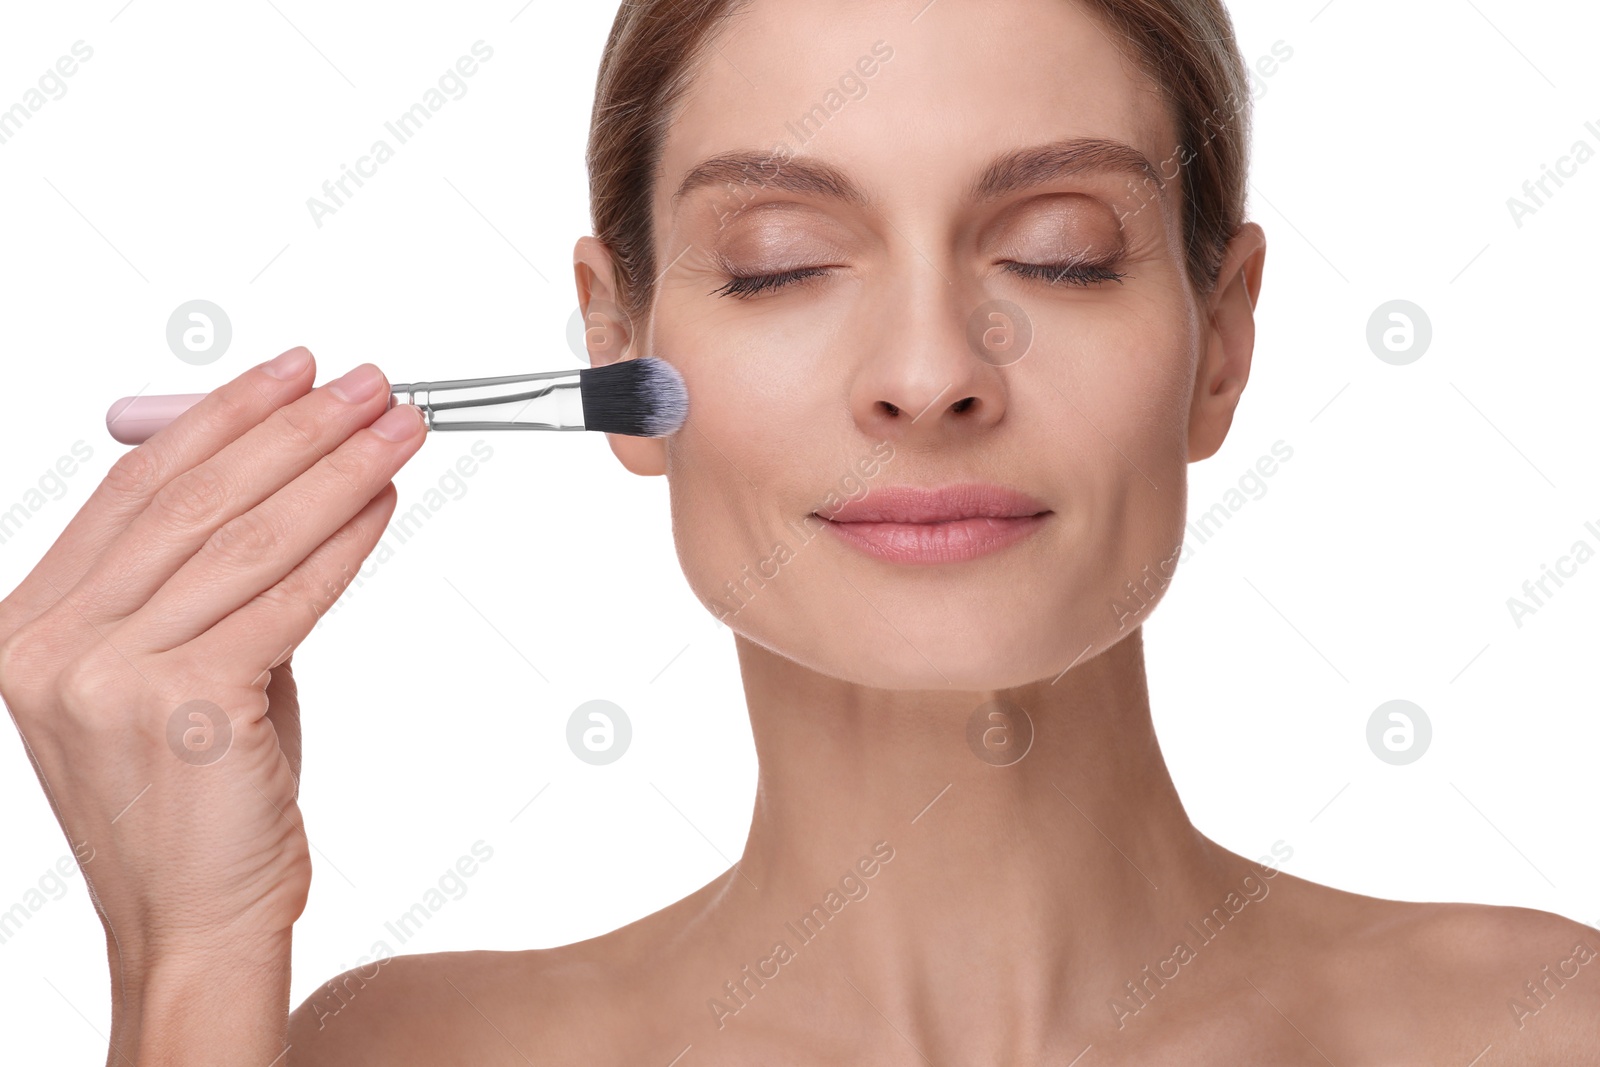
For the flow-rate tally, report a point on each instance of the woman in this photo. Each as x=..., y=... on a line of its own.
x=989, y=262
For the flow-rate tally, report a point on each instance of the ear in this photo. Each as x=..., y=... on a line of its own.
x=1228, y=341
x=608, y=337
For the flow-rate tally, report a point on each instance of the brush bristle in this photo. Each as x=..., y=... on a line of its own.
x=639, y=397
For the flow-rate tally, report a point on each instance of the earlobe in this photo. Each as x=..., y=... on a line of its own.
x=607, y=338
x=642, y=455
x=1228, y=342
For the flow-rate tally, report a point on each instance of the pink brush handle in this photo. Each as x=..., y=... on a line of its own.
x=133, y=419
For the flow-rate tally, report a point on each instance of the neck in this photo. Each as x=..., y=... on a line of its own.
x=1055, y=862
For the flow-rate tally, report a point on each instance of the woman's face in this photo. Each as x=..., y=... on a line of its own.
x=920, y=351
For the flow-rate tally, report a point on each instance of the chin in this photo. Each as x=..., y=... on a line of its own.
x=984, y=654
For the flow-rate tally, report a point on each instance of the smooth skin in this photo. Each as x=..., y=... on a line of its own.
x=1020, y=899
x=1017, y=901
x=191, y=574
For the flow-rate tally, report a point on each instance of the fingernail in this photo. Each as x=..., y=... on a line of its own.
x=358, y=385
x=289, y=364
x=398, y=423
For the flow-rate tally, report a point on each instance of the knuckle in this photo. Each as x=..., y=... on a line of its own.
x=233, y=408
x=320, y=591
x=287, y=598
x=276, y=598
x=90, y=694
x=134, y=475
x=31, y=656
x=82, y=686
x=17, y=660
x=194, y=498
x=243, y=539
x=100, y=694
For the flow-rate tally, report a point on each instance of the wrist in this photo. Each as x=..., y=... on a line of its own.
x=213, y=1005
x=180, y=955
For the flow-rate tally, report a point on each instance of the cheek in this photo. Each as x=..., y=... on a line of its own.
x=1124, y=373
x=757, y=402
x=1125, y=472
x=755, y=412
x=1135, y=354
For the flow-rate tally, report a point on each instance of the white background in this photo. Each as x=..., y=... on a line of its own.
x=1377, y=564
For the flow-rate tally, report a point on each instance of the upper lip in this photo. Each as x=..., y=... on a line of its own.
x=946, y=503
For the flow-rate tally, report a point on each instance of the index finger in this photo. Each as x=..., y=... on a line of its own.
x=226, y=413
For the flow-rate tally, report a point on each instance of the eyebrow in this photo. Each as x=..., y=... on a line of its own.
x=1019, y=169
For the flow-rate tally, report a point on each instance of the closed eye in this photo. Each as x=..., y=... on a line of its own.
x=1066, y=273
x=747, y=285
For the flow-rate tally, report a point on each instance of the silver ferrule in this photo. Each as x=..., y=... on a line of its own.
x=548, y=400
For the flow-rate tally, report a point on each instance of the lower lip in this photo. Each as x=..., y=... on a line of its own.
x=936, y=542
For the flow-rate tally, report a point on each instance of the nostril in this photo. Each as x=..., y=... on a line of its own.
x=963, y=404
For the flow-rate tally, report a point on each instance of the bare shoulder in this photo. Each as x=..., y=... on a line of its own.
x=1475, y=983
x=1373, y=980
x=1532, y=976
x=601, y=1000
x=441, y=1008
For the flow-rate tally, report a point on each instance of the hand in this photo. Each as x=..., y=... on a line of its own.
x=145, y=660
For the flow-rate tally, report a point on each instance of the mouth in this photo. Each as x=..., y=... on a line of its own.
x=947, y=524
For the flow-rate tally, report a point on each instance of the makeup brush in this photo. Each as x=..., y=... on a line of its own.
x=637, y=397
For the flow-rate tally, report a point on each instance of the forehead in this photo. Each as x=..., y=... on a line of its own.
x=912, y=99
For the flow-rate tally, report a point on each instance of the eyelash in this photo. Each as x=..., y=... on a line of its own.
x=1067, y=273
x=747, y=285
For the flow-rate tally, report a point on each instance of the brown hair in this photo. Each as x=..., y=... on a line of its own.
x=1186, y=46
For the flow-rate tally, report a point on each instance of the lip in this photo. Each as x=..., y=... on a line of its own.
x=944, y=524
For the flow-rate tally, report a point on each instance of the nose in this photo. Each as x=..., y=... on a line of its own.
x=921, y=380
